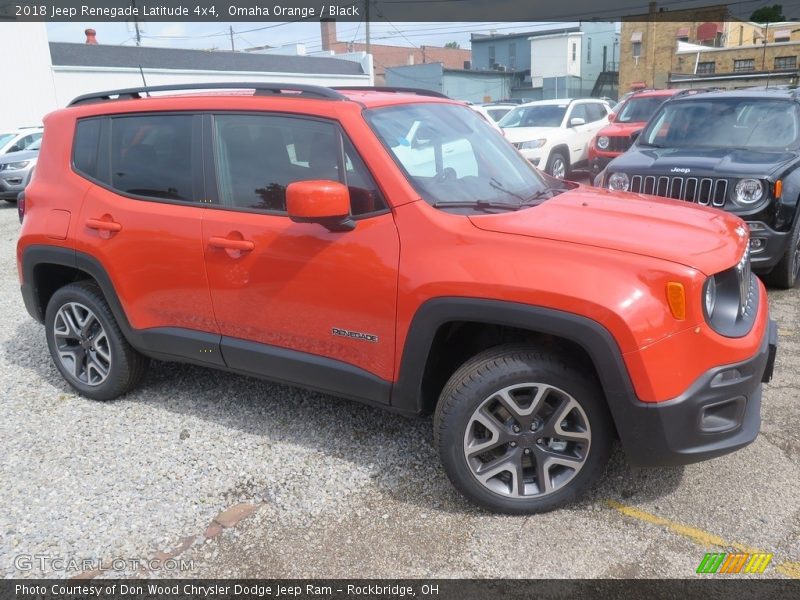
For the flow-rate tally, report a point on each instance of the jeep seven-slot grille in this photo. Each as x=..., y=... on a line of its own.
x=619, y=143
x=700, y=190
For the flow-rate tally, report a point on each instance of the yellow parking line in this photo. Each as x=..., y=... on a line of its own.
x=698, y=536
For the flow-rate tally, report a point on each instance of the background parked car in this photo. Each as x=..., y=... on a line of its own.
x=16, y=169
x=494, y=111
x=555, y=134
x=630, y=116
x=735, y=150
x=20, y=139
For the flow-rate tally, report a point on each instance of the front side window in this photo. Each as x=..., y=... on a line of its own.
x=258, y=156
x=596, y=112
x=539, y=115
x=151, y=156
x=639, y=110
x=725, y=123
x=452, y=156
x=579, y=112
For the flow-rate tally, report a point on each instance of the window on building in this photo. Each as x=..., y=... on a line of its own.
x=706, y=67
x=574, y=51
x=682, y=35
x=512, y=56
x=636, y=42
x=785, y=62
x=491, y=57
x=783, y=35
x=745, y=64
x=589, y=51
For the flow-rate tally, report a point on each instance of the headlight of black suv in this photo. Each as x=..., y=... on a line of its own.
x=730, y=301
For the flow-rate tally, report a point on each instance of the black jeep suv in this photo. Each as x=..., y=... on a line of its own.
x=735, y=150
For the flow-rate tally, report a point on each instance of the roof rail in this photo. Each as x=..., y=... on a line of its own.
x=260, y=88
x=398, y=90
x=693, y=91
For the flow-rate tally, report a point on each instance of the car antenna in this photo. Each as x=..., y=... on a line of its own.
x=144, y=81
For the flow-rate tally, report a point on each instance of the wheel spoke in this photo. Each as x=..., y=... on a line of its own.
x=510, y=404
x=543, y=474
x=472, y=446
x=498, y=467
x=94, y=365
x=70, y=328
x=72, y=359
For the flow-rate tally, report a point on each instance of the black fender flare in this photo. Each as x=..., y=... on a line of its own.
x=590, y=335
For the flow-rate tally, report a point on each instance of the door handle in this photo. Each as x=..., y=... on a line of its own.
x=103, y=225
x=228, y=244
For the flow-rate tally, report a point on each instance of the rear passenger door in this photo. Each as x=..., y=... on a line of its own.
x=304, y=304
x=141, y=221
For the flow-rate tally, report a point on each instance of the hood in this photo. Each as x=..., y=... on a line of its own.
x=621, y=129
x=525, y=134
x=705, y=239
x=712, y=162
x=18, y=156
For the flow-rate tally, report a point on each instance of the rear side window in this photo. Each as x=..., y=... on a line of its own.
x=84, y=150
x=151, y=156
x=258, y=156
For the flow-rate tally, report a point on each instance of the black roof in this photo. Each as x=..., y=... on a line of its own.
x=743, y=93
x=100, y=55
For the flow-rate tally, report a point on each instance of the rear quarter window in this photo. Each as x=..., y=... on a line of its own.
x=84, y=150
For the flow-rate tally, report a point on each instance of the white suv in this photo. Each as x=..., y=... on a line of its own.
x=18, y=140
x=555, y=134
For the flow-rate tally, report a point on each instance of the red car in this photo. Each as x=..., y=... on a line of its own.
x=630, y=117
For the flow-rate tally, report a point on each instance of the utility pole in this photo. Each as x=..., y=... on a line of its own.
x=366, y=21
x=233, y=48
x=136, y=25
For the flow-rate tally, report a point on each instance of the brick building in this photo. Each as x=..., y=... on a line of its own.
x=394, y=56
x=705, y=47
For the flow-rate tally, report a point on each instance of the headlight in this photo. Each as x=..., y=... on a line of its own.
x=602, y=142
x=619, y=182
x=748, y=191
x=15, y=166
x=533, y=144
x=710, y=296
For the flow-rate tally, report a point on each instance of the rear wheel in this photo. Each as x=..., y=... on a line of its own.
x=519, y=431
x=784, y=274
x=557, y=165
x=87, y=345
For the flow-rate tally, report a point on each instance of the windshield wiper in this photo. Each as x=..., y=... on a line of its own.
x=499, y=186
x=485, y=205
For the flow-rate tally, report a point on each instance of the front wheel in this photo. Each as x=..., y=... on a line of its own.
x=520, y=432
x=87, y=345
x=557, y=165
x=784, y=274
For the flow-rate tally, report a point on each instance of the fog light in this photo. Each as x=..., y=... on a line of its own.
x=757, y=244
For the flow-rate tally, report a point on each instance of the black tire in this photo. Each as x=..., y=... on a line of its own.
x=125, y=366
x=784, y=274
x=557, y=157
x=477, y=381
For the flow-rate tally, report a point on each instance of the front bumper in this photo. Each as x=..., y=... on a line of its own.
x=718, y=414
x=598, y=163
x=11, y=186
x=772, y=246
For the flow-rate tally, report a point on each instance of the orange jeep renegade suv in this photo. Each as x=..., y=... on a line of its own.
x=390, y=247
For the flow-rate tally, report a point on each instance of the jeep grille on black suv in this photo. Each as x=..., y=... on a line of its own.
x=700, y=190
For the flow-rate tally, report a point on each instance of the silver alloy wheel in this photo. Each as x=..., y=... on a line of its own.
x=558, y=168
x=527, y=440
x=82, y=344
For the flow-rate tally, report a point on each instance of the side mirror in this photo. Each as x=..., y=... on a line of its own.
x=612, y=116
x=575, y=121
x=320, y=201
x=635, y=135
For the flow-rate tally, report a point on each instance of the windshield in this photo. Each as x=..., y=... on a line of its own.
x=498, y=113
x=451, y=155
x=5, y=138
x=37, y=145
x=540, y=115
x=725, y=123
x=639, y=110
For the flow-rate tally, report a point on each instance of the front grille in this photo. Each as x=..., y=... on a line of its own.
x=744, y=273
x=619, y=143
x=700, y=190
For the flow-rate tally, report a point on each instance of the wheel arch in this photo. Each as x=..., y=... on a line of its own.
x=583, y=339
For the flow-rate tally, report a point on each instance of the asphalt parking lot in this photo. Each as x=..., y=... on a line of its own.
x=238, y=477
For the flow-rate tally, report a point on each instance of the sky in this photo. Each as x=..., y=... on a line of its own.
x=246, y=35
